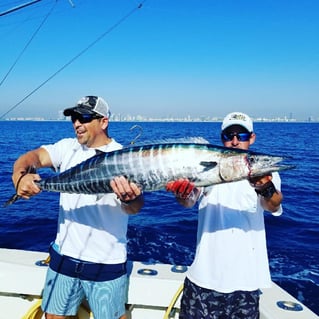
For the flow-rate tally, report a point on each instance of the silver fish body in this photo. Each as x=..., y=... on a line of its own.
x=152, y=166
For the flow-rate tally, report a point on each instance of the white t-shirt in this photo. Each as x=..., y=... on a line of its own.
x=231, y=251
x=90, y=228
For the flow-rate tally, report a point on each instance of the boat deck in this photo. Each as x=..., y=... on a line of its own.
x=153, y=290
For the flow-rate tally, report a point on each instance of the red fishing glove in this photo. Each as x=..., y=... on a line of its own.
x=182, y=188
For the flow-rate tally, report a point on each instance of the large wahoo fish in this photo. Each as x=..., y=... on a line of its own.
x=152, y=166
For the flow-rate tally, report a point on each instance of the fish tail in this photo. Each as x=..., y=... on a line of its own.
x=11, y=200
x=15, y=197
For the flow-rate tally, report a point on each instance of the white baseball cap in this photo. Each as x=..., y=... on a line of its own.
x=238, y=118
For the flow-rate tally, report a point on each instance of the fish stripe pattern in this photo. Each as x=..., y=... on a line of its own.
x=152, y=166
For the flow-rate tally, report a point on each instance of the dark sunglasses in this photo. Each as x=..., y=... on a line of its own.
x=84, y=118
x=242, y=137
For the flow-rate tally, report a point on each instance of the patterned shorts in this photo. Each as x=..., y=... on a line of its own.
x=63, y=295
x=201, y=303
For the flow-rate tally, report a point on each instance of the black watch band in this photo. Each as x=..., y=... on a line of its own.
x=267, y=191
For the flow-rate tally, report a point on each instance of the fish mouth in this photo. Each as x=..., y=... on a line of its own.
x=263, y=164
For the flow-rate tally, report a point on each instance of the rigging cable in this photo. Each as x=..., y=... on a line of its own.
x=28, y=43
x=99, y=38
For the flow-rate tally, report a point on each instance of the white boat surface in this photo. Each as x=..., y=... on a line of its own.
x=154, y=290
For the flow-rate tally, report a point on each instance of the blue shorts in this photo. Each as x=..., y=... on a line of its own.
x=63, y=295
x=201, y=303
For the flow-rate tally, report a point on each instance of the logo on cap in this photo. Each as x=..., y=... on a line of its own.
x=89, y=101
x=238, y=117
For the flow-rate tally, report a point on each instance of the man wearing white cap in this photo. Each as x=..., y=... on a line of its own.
x=88, y=256
x=231, y=262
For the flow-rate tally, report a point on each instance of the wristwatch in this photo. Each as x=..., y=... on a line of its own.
x=267, y=190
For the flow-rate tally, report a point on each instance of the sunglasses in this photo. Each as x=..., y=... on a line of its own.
x=84, y=118
x=242, y=137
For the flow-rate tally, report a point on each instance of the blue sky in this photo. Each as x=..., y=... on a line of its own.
x=168, y=58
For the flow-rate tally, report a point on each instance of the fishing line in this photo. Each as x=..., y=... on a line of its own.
x=28, y=43
x=99, y=38
x=138, y=135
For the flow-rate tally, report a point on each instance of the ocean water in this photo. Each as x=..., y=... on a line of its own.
x=164, y=231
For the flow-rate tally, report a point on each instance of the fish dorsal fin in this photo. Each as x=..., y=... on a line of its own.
x=208, y=165
x=187, y=140
x=190, y=140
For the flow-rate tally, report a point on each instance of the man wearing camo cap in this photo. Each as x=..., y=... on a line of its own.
x=88, y=256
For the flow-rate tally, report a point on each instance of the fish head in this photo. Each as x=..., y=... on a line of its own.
x=261, y=164
x=241, y=165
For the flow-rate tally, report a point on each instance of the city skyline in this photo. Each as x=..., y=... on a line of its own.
x=162, y=58
x=118, y=117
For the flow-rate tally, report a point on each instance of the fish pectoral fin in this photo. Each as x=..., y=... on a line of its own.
x=208, y=165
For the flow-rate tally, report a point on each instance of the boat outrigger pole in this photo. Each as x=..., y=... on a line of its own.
x=26, y=5
x=19, y=7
